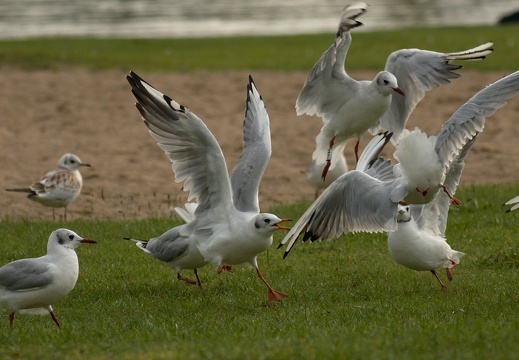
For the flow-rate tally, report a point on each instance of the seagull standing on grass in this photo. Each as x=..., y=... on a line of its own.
x=367, y=201
x=175, y=248
x=33, y=285
x=350, y=107
x=228, y=228
x=59, y=187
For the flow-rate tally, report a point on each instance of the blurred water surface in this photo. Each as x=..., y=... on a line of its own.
x=206, y=18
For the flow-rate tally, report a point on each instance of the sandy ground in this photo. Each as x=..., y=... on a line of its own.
x=48, y=113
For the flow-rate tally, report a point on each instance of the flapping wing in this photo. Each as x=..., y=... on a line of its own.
x=373, y=150
x=247, y=174
x=514, y=201
x=325, y=82
x=417, y=72
x=196, y=157
x=25, y=274
x=434, y=214
x=469, y=119
x=354, y=202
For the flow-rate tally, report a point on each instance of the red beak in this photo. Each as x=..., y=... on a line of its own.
x=88, y=241
x=398, y=90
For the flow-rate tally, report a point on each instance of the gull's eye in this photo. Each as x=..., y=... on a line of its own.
x=386, y=82
x=407, y=208
x=71, y=237
x=267, y=221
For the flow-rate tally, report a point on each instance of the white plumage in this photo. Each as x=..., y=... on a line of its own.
x=33, y=285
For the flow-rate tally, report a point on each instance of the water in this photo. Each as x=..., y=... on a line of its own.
x=205, y=18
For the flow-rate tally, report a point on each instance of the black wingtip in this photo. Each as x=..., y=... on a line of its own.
x=286, y=254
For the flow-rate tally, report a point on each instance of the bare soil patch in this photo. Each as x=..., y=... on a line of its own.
x=91, y=114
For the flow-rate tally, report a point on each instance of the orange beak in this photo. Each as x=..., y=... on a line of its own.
x=282, y=227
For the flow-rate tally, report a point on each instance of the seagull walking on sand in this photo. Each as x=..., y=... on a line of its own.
x=175, y=247
x=33, y=285
x=228, y=228
x=59, y=187
x=349, y=108
x=367, y=200
x=419, y=241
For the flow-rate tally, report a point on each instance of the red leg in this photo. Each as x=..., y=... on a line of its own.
x=189, y=281
x=11, y=319
x=325, y=170
x=423, y=192
x=437, y=278
x=357, y=150
x=448, y=270
x=273, y=294
x=197, y=278
x=454, y=201
x=328, y=159
x=223, y=267
x=54, y=318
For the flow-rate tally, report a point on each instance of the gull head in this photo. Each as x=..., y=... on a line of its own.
x=403, y=214
x=70, y=162
x=268, y=223
x=67, y=238
x=387, y=84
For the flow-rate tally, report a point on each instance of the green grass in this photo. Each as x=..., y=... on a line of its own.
x=347, y=298
x=280, y=53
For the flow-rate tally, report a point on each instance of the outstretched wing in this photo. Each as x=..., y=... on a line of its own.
x=354, y=202
x=417, y=72
x=325, y=82
x=247, y=174
x=196, y=157
x=469, y=119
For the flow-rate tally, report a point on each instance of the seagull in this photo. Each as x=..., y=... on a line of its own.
x=227, y=226
x=419, y=241
x=33, y=285
x=174, y=248
x=515, y=201
x=365, y=201
x=59, y=187
x=314, y=174
x=349, y=108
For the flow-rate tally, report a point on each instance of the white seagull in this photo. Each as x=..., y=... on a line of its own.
x=419, y=241
x=359, y=202
x=175, y=248
x=228, y=228
x=349, y=107
x=33, y=285
x=515, y=201
x=59, y=187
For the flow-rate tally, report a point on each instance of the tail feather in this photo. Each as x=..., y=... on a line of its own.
x=140, y=243
x=456, y=256
x=24, y=190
